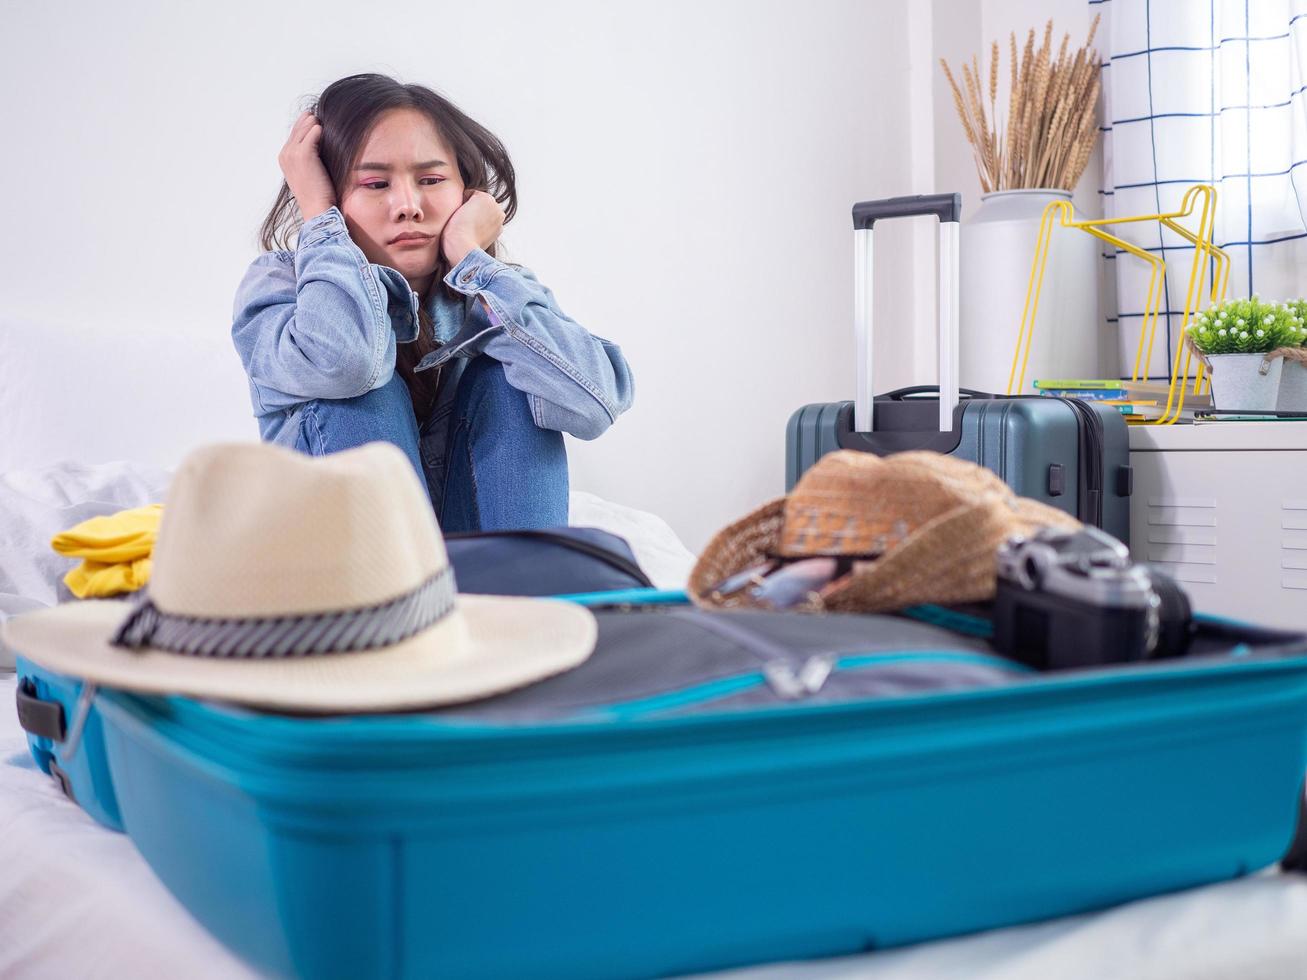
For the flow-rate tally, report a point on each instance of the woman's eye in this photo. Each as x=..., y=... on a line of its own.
x=378, y=185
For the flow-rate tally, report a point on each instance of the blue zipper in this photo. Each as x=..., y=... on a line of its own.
x=632, y=597
x=725, y=687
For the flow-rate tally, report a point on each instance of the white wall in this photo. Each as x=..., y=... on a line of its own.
x=686, y=173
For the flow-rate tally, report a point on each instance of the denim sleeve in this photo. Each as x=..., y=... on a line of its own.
x=576, y=382
x=321, y=322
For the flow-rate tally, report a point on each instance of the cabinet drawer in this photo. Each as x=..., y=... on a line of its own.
x=1230, y=526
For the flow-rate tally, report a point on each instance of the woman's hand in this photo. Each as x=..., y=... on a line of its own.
x=476, y=224
x=305, y=174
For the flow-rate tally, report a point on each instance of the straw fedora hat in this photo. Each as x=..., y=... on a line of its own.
x=315, y=584
x=921, y=527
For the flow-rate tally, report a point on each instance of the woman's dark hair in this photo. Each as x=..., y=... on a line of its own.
x=347, y=109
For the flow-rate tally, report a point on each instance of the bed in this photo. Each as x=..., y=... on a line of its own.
x=78, y=901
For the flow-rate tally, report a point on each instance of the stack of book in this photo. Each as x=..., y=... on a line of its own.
x=1138, y=401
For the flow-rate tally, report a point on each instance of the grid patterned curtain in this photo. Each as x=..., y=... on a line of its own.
x=1210, y=92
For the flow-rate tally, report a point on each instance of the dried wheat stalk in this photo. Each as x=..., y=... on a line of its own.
x=1051, y=120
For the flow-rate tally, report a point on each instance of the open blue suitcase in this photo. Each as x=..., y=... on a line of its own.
x=708, y=790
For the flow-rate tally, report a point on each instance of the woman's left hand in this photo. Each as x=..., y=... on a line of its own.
x=476, y=224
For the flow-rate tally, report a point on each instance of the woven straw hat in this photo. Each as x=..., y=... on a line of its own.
x=934, y=521
x=289, y=581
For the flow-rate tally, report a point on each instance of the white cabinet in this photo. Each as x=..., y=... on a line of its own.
x=1223, y=508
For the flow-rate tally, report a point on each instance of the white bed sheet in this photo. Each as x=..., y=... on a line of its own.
x=76, y=900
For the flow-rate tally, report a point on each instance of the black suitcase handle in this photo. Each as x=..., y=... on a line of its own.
x=44, y=719
x=946, y=207
x=900, y=394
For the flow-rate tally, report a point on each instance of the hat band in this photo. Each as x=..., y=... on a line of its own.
x=290, y=636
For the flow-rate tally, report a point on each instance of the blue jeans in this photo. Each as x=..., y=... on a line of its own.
x=500, y=471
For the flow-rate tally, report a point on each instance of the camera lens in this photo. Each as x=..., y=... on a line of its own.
x=1030, y=572
x=1174, y=615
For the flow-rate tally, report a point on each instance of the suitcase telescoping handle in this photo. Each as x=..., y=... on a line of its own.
x=948, y=209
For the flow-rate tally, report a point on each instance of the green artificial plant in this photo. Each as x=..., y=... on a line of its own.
x=1249, y=326
x=1299, y=309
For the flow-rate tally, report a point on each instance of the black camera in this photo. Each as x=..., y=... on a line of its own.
x=1075, y=599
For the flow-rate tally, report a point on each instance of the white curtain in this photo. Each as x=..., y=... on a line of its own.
x=1212, y=92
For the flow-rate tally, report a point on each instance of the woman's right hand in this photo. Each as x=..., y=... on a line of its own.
x=305, y=174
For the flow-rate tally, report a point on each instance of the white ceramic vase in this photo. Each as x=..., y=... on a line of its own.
x=997, y=246
x=1240, y=385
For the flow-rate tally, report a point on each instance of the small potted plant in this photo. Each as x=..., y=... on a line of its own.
x=1235, y=339
x=1293, y=380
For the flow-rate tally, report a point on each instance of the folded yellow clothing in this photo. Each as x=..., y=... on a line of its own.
x=116, y=549
x=96, y=580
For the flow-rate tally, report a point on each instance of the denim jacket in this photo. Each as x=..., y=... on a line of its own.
x=323, y=322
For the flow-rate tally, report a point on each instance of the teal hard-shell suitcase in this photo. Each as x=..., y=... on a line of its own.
x=716, y=789
x=1064, y=452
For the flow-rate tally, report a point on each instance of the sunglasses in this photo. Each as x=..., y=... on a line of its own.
x=783, y=583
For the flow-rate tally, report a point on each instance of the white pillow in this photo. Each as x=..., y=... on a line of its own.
x=659, y=551
x=150, y=392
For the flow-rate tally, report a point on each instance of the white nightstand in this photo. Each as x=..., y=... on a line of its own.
x=1223, y=508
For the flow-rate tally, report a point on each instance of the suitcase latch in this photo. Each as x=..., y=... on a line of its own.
x=1056, y=480
x=1125, y=481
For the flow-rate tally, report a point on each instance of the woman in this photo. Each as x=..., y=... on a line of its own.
x=391, y=318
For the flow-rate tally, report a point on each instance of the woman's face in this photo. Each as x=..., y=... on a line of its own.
x=407, y=182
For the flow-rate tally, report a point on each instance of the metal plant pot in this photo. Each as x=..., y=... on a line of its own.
x=1245, y=382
